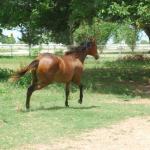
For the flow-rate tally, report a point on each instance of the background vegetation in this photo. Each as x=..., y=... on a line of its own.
x=55, y=20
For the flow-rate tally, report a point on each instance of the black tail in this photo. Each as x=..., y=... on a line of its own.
x=17, y=75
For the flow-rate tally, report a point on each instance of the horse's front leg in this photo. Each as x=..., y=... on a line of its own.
x=81, y=93
x=67, y=91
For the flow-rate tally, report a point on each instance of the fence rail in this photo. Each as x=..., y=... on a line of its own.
x=24, y=50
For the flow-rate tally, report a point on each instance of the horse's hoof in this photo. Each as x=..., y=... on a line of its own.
x=27, y=109
x=67, y=106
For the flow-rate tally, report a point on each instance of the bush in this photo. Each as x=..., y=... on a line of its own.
x=137, y=57
x=25, y=80
x=5, y=74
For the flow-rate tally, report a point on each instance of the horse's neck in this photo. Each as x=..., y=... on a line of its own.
x=77, y=55
x=81, y=56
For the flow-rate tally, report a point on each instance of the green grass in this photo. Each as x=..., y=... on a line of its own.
x=14, y=62
x=48, y=119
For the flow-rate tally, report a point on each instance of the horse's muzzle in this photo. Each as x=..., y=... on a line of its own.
x=97, y=57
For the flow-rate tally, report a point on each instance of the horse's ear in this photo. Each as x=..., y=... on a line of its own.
x=92, y=39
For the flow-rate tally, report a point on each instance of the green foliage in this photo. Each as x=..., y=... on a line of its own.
x=25, y=81
x=7, y=40
x=135, y=12
x=127, y=33
x=62, y=18
x=84, y=11
x=35, y=51
x=119, y=9
x=143, y=11
x=5, y=74
x=100, y=30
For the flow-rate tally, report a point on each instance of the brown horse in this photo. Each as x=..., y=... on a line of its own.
x=48, y=68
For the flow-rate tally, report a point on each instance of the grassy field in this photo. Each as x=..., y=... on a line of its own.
x=109, y=87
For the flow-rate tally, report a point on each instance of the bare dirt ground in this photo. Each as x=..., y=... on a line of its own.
x=131, y=134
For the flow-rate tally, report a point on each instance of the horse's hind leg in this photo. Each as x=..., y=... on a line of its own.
x=67, y=91
x=81, y=93
x=31, y=89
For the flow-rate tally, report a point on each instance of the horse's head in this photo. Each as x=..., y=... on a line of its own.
x=91, y=48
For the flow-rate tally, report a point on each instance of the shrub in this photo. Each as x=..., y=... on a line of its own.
x=137, y=57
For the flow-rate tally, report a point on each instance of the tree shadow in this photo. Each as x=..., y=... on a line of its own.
x=120, y=81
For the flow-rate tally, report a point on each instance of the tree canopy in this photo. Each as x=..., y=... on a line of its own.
x=36, y=18
x=99, y=29
x=135, y=12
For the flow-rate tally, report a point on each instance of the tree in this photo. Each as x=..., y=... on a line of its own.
x=10, y=40
x=7, y=40
x=135, y=12
x=62, y=17
x=37, y=15
x=132, y=37
x=127, y=33
x=99, y=29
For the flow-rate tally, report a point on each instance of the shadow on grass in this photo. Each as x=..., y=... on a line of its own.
x=121, y=81
x=59, y=108
x=134, y=64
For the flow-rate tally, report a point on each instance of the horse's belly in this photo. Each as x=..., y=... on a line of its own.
x=63, y=77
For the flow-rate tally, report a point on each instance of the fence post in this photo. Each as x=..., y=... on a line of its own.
x=54, y=48
x=48, y=48
x=29, y=50
x=121, y=49
x=40, y=48
x=11, y=50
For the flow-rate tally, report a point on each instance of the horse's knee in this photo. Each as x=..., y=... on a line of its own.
x=31, y=88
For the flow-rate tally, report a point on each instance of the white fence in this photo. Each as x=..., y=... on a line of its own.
x=24, y=50
x=110, y=48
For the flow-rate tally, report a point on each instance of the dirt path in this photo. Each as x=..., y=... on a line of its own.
x=131, y=134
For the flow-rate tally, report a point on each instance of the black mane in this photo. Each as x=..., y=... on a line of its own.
x=73, y=49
